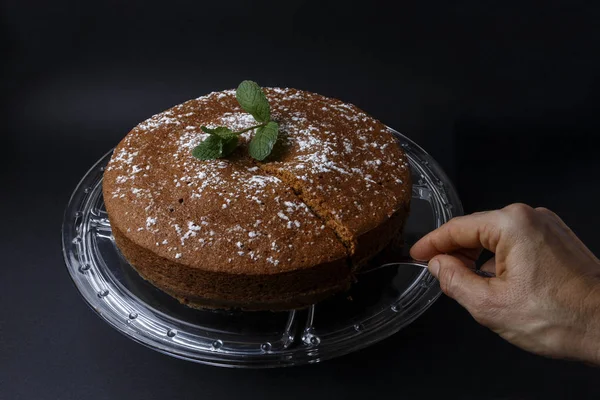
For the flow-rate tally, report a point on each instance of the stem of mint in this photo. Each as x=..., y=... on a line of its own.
x=249, y=129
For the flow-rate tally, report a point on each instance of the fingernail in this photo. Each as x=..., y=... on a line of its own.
x=434, y=267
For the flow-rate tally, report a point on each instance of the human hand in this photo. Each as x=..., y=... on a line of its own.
x=545, y=297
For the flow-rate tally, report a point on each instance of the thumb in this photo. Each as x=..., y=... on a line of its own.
x=458, y=281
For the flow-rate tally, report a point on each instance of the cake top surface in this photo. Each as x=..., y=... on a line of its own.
x=250, y=214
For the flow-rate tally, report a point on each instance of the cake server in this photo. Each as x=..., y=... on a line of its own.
x=409, y=262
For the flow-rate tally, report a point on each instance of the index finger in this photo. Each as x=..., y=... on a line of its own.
x=475, y=231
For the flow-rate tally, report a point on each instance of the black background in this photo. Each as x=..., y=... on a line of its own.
x=505, y=97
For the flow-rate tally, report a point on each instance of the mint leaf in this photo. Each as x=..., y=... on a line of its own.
x=263, y=141
x=229, y=145
x=209, y=149
x=253, y=101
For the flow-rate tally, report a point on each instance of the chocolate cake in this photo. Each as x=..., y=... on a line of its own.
x=237, y=233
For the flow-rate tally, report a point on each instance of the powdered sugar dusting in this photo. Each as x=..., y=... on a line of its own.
x=234, y=204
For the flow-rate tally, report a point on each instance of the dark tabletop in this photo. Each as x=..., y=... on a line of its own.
x=506, y=99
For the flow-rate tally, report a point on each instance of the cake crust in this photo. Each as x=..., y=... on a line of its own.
x=236, y=233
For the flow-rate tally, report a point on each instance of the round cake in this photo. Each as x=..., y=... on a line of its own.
x=234, y=232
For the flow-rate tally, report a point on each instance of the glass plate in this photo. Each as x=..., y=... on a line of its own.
x=378, y=305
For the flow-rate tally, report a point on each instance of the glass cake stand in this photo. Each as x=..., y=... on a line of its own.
x=382, y=301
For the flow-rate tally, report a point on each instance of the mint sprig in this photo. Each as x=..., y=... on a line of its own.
x=209, y=149
x=222, y=141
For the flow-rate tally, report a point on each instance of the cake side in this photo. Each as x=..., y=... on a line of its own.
x=217, y=289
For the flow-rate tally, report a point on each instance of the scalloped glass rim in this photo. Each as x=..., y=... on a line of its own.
x=90, y=256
